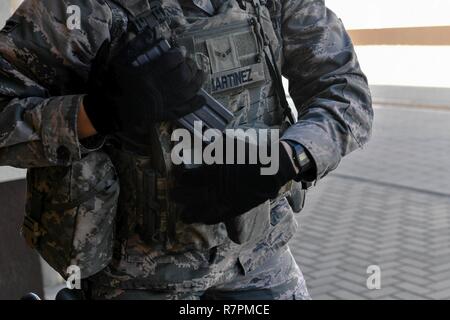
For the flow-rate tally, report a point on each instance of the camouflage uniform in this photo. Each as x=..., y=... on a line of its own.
x=44, y=70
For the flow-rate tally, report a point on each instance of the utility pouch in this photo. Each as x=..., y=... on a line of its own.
x=297, y=196
x=250, y=226
x=70, y=214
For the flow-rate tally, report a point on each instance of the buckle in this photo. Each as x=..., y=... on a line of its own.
x=143, y=22
x=32, y=231
x=150, y=19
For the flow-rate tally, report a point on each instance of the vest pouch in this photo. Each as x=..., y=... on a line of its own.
x=297, y=196
x=142, y=204
x=70, y=214
x=251, y=226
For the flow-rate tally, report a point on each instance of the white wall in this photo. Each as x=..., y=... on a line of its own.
x=7, y=7
x=366, y=14
x=419, y=66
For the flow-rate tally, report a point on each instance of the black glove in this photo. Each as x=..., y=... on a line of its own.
x=127, y=98
x=215, y=193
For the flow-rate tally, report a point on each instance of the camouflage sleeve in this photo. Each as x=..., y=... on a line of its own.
x=45, y=53
x=326, y=83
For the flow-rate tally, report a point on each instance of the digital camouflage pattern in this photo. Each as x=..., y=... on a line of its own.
x=278, y=279
x=72, y=209
x=44, y=68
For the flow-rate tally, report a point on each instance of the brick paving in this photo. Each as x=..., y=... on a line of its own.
x=388, y=205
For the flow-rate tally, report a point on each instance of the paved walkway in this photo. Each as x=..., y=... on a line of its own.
x=388, y=205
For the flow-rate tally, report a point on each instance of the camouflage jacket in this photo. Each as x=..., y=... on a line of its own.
x=44, y=66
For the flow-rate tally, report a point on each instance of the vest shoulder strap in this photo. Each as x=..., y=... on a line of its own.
x=272, y=64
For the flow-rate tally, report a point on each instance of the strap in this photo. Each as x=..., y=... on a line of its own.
x=32, y=229
x=151, y=18
x=36, y=205
x=143, y=14
x=272, y=64
x=278, y=84
x=103, y=185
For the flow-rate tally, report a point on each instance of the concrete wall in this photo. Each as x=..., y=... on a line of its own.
x=7, y=7
x=5, y=10
x=419, y=97
x=20, y=267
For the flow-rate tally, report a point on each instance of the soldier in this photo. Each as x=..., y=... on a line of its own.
x=93, y=129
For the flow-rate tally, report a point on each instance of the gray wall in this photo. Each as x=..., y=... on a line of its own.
x=412, y=96
x=6, y=7
x=20, y=268
x=4, y=11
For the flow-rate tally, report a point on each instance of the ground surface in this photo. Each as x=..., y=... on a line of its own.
x=388, y=205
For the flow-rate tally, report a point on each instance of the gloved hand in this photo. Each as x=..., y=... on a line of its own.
x=215, y=193
x=127, y=98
